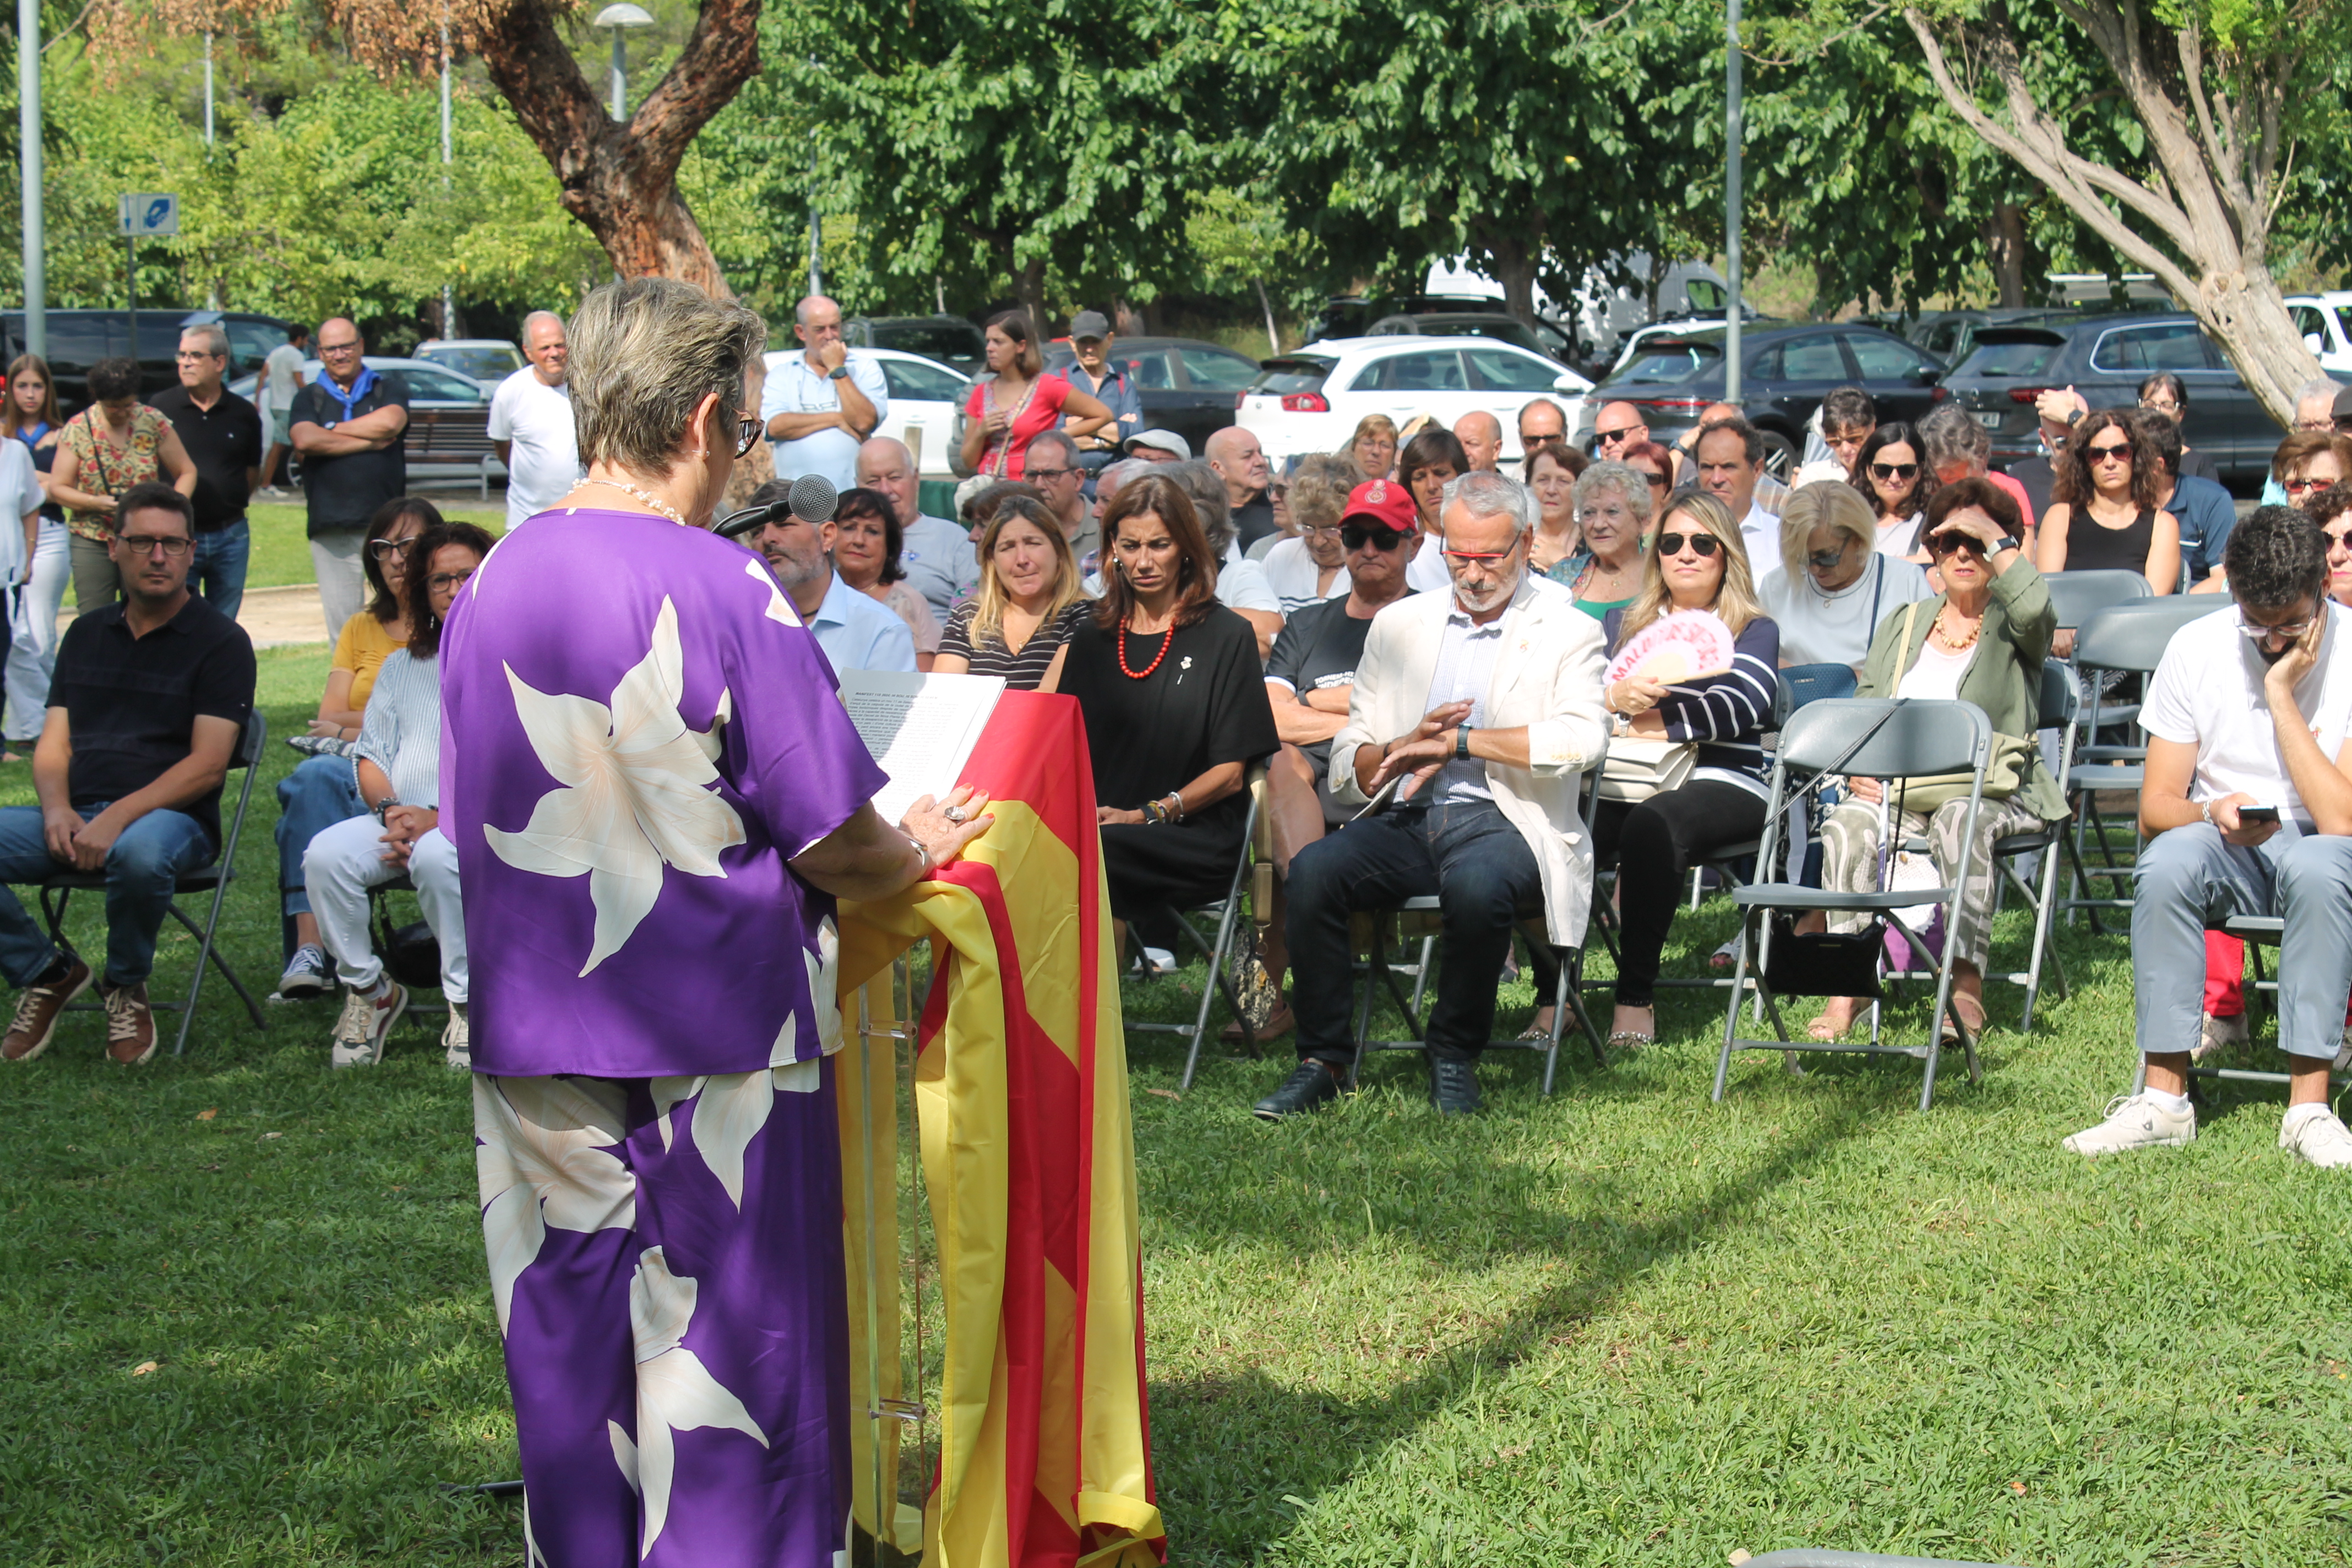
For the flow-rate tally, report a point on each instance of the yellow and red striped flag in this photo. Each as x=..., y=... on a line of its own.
x=1028, y=1153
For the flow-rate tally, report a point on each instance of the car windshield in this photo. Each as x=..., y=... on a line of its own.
x=1294, y=372
x=2011, y=353
x=948, y=341
x=1510, y=333
x=1668, y=361
x=486, y=362
x=434, y=385
x=917, y=383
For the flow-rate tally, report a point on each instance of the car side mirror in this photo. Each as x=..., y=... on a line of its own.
x=2312, y=341
x=1567, y=383
x=1926, y=377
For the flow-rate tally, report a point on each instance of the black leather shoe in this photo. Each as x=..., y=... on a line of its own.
x=1454, y=1086
x=1302, y=1092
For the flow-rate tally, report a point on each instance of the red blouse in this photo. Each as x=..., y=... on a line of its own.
x=1040, y=412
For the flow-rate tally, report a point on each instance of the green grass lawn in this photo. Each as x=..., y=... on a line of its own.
x=1619, y=1326
x=281, y=550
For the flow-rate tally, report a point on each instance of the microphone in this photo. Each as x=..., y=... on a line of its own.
x=812, y=499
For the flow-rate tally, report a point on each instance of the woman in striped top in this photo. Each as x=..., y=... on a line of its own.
x=398, y=764
x=1028, y=604
x=1696, y=560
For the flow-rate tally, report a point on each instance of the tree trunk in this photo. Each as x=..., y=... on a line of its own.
x=2005, y=238
x=2207, y=191
x=1515, y=257
x=1029, y=288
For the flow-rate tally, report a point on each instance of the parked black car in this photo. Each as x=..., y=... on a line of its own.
x=950, y=340
x=2105, y=358
x=1187, y=386
x=80, y=339
x=1784, y=373
x=1950, y=335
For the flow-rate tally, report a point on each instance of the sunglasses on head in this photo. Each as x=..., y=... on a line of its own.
x=1702, y=545
x=1354, y=536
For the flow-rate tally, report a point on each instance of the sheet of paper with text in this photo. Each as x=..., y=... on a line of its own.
x=921, y=729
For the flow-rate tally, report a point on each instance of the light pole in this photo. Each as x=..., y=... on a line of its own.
x=1733, y=134
x=28, y=145
x=621, y=18
x=448, y=293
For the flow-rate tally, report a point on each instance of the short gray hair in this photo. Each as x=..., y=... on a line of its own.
x=1070, y=448
x=215, y=338
x=1483, y=494
x=801, y=311
x=1108, y=483
x=1206, y=491
x=1629, y=482
x=537, y=316
x=645, y=351
x=2322, y=388
x=1951, y=434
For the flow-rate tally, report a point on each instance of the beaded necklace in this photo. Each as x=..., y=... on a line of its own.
x=1169, y=641
x=655, y=503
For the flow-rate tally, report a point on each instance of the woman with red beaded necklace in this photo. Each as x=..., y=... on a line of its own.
x=1174, y=698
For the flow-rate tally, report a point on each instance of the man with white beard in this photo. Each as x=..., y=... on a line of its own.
x=1484, y=707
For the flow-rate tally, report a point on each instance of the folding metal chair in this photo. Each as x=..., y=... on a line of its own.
x=1257, y=847
x=1863, y=738
x=2079, y=596
x=1372, y=932
x=2061, y=709
x=2130, y=638
x=2257, y=931
x=57, y=891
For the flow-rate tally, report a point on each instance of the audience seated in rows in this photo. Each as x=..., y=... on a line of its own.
x=398, y=770
x=146, y=712
x=853, y=630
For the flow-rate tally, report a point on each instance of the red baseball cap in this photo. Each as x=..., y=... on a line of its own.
x=1384, y=502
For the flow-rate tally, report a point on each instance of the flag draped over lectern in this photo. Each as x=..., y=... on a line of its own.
x=1028, y=1155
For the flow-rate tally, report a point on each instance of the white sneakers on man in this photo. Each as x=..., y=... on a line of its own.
x=2136, y=1121
x=2318, y=1137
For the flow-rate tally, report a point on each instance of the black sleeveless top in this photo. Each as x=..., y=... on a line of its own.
x=2093, y=548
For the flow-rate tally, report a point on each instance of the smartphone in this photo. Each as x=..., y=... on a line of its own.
x=2258, y=813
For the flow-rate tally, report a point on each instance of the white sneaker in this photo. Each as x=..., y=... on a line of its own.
x=2135, y=1122
x=367, y=1024
x=2217, y=1036
x=2323, y=1140
x=456, y=1040
x=1159, y=960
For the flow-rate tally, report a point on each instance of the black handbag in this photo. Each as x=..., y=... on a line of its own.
x=410, y=953
x=1823, y=964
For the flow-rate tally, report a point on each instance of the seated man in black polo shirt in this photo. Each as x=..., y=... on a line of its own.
x=1309, y=680
x=149, y=699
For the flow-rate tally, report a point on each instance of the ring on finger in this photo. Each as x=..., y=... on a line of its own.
x=953, y=814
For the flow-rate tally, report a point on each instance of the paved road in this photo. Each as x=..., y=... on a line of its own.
x=272, y=617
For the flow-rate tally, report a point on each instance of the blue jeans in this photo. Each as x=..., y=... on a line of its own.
x=141, y=869
x=1483, y=874
x=219, y=571
x=315, y=796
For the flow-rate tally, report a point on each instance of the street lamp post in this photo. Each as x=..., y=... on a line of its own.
x=621, y=18
x=448, y=293
x=1734, y=133
x=29, y=148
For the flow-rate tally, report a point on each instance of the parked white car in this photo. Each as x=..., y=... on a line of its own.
x=925, y=398
x=1310, y=401
x=2325, y=322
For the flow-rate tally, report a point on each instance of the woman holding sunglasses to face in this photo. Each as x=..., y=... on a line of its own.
x=1982, y=640
x=1890, y=472
x=2105, y=513
x=1696, y=560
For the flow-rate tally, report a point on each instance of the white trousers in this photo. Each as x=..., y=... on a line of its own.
x=33, y=634
x=347, y=859
x=343, y=581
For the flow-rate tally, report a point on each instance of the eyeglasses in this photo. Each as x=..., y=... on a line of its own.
x=2316, y=427
x=349, y=348
x=2160, y=404
x=1479, y=557
x=1702, y=545
x=1657, y=482
x=1824, y=560
x=2288, y=629
x=2097, y=455
x=1332, y=528
x=2304, y=487
x=1354, y=536
x=186, y=355
x=172, y=546
x=1894, y=470
x=1952, y=541
x=1048, y=473
x=1617, y=434
x=747, y=433
x=448, y=582
x=385, y=549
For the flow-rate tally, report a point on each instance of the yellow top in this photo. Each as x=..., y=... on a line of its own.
x=361, y=649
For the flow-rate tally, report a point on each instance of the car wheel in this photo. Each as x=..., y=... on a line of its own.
x=1780, y=454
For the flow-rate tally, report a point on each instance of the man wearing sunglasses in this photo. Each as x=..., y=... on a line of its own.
x=349, y=425
x=2245, y=809
x=1310, y=679
x=1481, y=706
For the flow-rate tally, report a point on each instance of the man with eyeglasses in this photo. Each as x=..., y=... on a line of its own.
x=935, y=555
x=2244, y=809
x=1053, y=468
x=856, y=630
x=349, y=425
x=146, y=711
x=822, y=402
x=1542, y=422
x=1482, y=707
x=223, y=435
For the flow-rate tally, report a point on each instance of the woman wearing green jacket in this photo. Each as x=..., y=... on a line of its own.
x=1983, y=640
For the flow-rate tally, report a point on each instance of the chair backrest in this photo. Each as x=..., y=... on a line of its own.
x=253, y=742
x=2062, y=696
x=1914, y=738
x=2079, y=596
x=1803, y=683
x=2134, y=635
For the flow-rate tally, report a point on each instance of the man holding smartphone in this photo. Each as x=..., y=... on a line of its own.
x=2245, y=809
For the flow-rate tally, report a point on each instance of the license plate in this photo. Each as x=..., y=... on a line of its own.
x=1988, y=419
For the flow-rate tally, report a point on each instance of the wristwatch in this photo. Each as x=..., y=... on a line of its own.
x=1461, y=743
x=838, y=372
x=380, y=808
x=1154, y=813
x=2003, y=543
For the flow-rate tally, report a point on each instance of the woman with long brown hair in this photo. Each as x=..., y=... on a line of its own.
x=1030, y=601
x=1175, y=705
x=1021, y=403
x=2106, y=508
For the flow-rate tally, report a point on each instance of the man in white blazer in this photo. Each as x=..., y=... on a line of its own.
x=1483, y=706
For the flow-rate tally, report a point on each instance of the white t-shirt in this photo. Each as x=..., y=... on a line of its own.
x=2208, y=692
x=281, y=376
x=544, y=464
x=1761, y=531
x=1427, y=574
x=1934, y=675
x=20, y=492
x=1894, y=534
x=793, y=388
x=1241, y=586
x=1291, y=571
x=1836, y=628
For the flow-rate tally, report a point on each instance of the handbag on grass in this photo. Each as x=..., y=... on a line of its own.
x=1638, y=769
